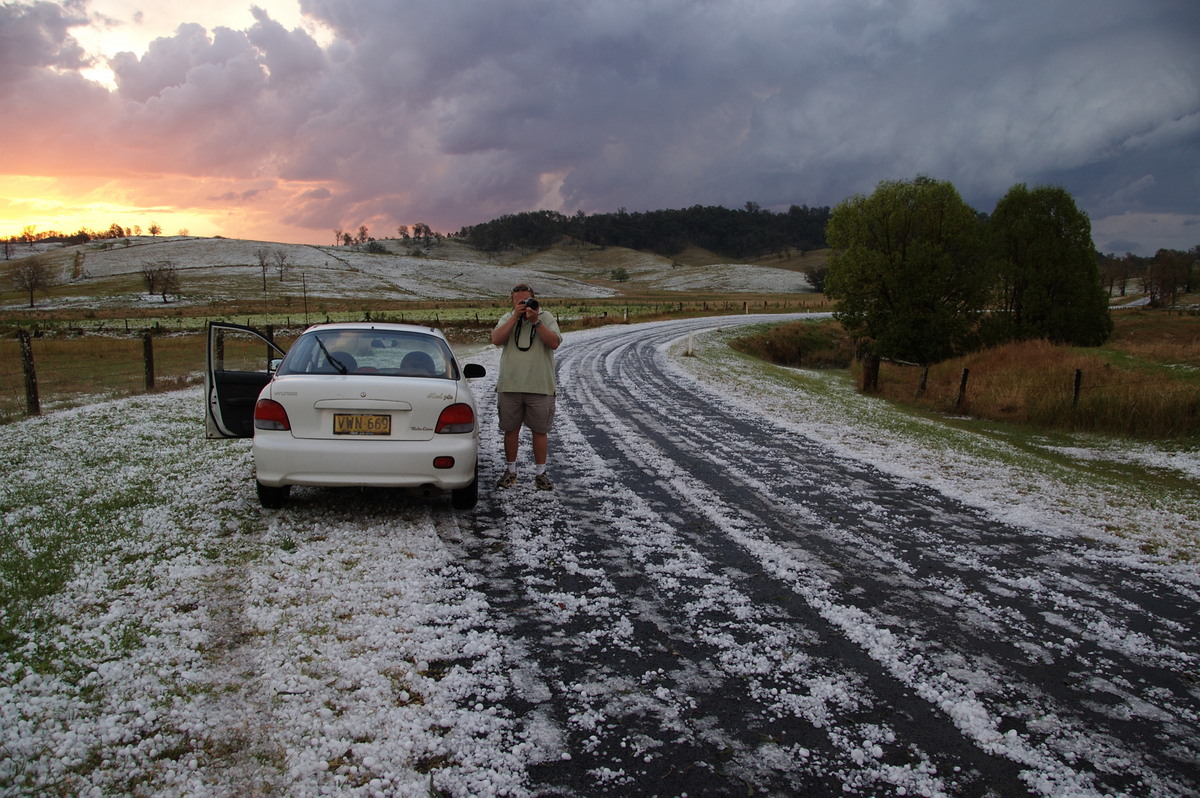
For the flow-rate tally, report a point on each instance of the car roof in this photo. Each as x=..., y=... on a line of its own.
x=382, y=326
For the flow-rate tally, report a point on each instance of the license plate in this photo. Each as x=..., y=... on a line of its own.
x=362, y=424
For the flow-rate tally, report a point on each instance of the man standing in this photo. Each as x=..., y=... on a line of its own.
x=526, y=386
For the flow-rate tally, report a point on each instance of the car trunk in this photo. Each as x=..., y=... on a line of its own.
x=335, y=406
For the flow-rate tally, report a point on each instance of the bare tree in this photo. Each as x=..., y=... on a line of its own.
x=33, y=274
x=150, y=277
x=281, y=262
x=363, y=234
x=154, y=229
x=264, y=260
x=168, y=279
x=337, y=235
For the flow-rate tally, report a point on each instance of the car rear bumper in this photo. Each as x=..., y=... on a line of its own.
x=280, y=459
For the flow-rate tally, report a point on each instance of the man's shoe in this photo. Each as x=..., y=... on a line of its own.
x=507, y=480
x=543, y=482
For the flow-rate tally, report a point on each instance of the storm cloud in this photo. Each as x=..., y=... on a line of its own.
x=454, y=113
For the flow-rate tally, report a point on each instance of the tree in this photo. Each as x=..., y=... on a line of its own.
x=154, y=229
x=816, y=277
x=1167, y=276
x=33, y=274
x=168, y=279
x=1049, y=276
x=907, y=271
x=263, y=256
x=337, y=235
x=150, y=277
x=281, y=262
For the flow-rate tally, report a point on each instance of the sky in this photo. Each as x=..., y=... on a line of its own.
x=286, y=120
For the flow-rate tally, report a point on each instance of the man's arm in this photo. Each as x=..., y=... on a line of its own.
x=504, y=329
x=551, y=337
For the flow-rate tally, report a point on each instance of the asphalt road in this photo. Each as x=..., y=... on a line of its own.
x=714, y=605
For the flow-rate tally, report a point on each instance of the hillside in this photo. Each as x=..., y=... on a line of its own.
x=216, y=270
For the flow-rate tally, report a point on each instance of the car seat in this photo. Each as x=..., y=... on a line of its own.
x=345, y=358
x=418, y=364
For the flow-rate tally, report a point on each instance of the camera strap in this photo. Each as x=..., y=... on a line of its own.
x=517, y=335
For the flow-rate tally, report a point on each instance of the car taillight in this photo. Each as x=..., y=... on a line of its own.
x=456, y=418
x=269, y=414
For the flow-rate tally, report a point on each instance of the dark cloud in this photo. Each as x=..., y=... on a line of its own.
x=453, y=113
x=37, y=36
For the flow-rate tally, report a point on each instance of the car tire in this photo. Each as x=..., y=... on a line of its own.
x=466, y=498
x=270, y=497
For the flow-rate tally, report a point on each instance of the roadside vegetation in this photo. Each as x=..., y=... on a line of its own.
x=1144, y=382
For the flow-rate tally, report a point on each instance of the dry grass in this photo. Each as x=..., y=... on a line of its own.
x=1144, y=383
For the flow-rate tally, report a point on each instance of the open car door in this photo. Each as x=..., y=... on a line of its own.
x=239, y=365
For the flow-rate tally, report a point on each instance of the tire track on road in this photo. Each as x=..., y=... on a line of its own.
x=707, y=589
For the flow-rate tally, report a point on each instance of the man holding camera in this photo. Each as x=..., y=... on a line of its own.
x=526, y=387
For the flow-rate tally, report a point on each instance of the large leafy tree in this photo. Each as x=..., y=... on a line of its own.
x=1049, y=276
x=907, y=271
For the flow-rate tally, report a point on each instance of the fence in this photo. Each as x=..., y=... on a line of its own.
x=1148, y=403
x=41, y=372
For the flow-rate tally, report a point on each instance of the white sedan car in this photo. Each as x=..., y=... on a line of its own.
x=355, y=404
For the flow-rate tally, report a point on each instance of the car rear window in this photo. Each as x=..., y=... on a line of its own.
x=382, y=352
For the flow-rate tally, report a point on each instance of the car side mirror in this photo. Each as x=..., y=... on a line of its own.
x=273, y=365
x=473, y=370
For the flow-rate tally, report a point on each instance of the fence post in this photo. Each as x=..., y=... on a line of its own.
x=148, y=357
x=271, y=338
x=33, y=405
x=923, y=384
x=1078, y=385
x=962, y=390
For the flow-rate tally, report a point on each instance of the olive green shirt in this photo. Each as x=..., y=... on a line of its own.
x=527, y=364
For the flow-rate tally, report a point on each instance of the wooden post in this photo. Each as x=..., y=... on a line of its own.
x=33, y=405
x=1078, y=385
x=924, y=382
x=870, y=375
x=148, y=359
x=271, y=338
x=962, y=390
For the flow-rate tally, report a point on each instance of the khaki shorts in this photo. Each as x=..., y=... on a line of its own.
x=534, y=410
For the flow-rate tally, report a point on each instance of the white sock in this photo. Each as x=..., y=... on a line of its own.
x=512, y=467
x=541, y=469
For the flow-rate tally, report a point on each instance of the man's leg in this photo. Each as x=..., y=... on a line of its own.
x=512, y=440
x=541, y=447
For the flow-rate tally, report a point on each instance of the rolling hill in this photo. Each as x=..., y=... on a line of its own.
x=108, y=274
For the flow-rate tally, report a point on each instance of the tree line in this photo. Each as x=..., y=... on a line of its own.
x=747, y=232
x=921, y=277
x=1163, y=277
x=30, y=235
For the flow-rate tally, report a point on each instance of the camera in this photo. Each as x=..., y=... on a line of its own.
x=530, y=303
